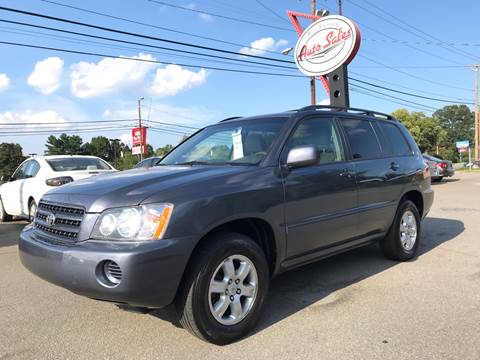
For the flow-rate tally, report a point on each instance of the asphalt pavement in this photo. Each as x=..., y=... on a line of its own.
x=353, y=306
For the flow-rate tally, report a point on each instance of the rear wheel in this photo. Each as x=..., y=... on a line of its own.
x=32, y=210
x=402, y=240
x=4, y=217
x=224, y=290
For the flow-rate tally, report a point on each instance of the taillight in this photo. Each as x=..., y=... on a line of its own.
x=441, y=165
x=59, y=181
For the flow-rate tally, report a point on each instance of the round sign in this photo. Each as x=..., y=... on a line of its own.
x=327, y=44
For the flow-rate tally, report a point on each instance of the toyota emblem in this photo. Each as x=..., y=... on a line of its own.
x=51, y=220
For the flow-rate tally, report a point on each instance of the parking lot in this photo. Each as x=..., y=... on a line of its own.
x=353, y=306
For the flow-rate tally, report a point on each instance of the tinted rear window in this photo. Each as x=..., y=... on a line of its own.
x=395, y=137
x=362, y=139
x=76, y=164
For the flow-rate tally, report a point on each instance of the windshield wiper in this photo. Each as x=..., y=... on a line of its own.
x=193, y=162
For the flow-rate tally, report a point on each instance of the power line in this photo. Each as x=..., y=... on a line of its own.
x=455, y=51
x=406, y=93
x=148, y=60
x=396, y=98
x=70, y=122
x=68, y=21
x=139, y=44
x=414, y=76
x=354, y=89
x=402, y=86
x=271, y=11
x=38, y=34
x=221, y=16
x=155, y=26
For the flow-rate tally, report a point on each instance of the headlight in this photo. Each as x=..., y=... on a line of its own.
x=147, y=222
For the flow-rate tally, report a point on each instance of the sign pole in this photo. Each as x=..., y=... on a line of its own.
x=140, y=127
x=477, y=124
x=313, y=95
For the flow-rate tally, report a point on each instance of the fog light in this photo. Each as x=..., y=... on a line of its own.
x=112, y=273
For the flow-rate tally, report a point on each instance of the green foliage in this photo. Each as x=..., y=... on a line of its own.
x=100, y=146
x=427, y=131
x=162, y=151
x=64, y=145
x=458, y=121
x=10, y=157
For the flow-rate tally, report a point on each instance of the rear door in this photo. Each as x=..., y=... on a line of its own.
x=319, y=199
x=379, y=175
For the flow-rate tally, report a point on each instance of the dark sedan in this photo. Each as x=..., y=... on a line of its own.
x=439, y=168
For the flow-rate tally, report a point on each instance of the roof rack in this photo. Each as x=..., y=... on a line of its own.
x=348, y=109
x=230, y=118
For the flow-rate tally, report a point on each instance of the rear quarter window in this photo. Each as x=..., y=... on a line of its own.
x=394, y=136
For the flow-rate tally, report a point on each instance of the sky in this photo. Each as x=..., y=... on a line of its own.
x=422, y=47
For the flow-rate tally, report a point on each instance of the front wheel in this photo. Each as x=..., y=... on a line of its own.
x=224, y=289
x=4, y=217
x=402, y=240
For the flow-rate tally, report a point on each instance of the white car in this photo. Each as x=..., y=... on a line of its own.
x=20, y=195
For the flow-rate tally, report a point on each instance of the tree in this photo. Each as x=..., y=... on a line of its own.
x=427, y=131
x=162, y=151
x=100, y=146
x=458, y=123
x=10, y=157
x=64, y=145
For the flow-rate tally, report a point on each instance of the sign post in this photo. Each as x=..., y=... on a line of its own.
x=462, y=147
x=139, y=141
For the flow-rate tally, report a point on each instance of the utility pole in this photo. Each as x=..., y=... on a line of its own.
x=339, y=7
x=140, y=126
x=477, y=124
x=313, y=97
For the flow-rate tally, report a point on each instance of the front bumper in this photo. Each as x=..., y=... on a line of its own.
x=151, y=271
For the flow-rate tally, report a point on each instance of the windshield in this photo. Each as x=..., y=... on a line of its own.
x=238, y=143
x=77, y=163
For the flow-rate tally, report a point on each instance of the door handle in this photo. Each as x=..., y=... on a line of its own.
x=394, y=166
x=346, y=173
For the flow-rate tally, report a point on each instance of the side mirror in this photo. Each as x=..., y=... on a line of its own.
x=302, y=156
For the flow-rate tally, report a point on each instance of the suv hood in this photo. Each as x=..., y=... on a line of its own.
x=131, y=187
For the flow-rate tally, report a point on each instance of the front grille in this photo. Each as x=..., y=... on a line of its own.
x=59, y=222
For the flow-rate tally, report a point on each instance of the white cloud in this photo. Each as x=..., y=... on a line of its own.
x=126, y=139
x=32, y=119
x=171, y=79
x=325, y=101
x=203, y=16
x=47, y=74
x=4, y=82
x=259, y=47
x=108, y=75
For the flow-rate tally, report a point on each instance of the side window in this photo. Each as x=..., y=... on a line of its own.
x=396, y=138
x=321, y=133
x=362, y=139
x=20, y=172
x=32, y=169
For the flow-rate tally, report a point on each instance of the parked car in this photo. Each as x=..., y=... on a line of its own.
x=20, y=195
x=439, y=168
x=148, y=162
x=234, y=205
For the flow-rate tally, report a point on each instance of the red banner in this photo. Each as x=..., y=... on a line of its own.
x=139, y=138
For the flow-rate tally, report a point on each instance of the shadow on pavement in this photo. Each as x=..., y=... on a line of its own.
x=445, y=181
x=9, y=232
x=297, y=289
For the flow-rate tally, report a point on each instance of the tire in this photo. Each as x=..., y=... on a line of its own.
x=32, y=209
x=398, y=244
x=4, y=217
x=195, y=302
x=438, y=179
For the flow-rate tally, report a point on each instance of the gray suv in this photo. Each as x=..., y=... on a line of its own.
x=234, y=205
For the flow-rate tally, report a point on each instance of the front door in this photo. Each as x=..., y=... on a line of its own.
x=320, y=200
x=12, y=190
